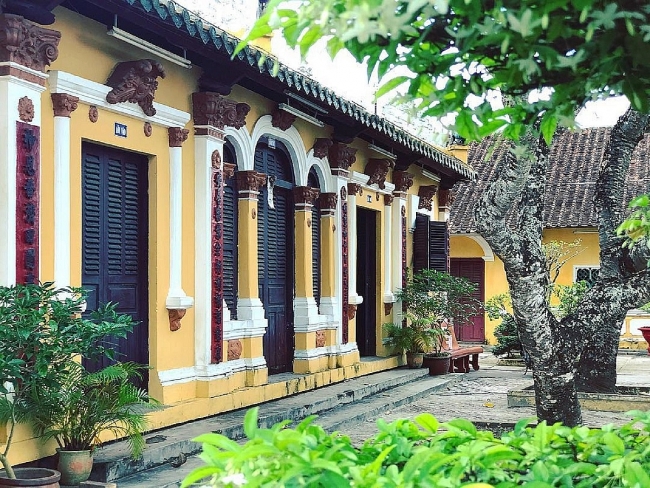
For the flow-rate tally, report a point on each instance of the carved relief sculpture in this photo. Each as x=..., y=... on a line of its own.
x=64, y=104
x=148, y=129
x=214, y=110
x=388, y=308
x=282, y=120
x=26, y=109
x=426, y=194
x=305, y=195
x=135, y=82
x=352, y=311
x=175, y=316
x=228, y=170
x=355, y=189
x=235, y=349
x=177, y=136
x=388, y=200
x=328, y=201
x=93, y=114
x=321, y=147
x=320, y=338
x=446, y=197
x=403, y=181
x=377, y=169
x=341, y=157
x=26, y=44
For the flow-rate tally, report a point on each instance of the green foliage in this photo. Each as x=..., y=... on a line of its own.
x=636, y=228
x=430, y=298
x=451, y=53
x=499, y=307
x=85, y=404
x=41, y=329
x=569, y=298
x=426, y=453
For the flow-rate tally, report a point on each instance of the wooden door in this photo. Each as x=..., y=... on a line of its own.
x=114, y=246
x=275, y=257
x=473, y=329
x=366, y=325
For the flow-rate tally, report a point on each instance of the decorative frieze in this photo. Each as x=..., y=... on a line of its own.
x=213, y=110
x=426, y=194
x=135, y=82
x=25, y=109
x=341, y=157
x=282, y=120
x=446, y=197
x=249, y=183
x=64, y=104
x=355, y=189
x=27, y=44
x=322, y=147
x=377, y=169
x=177, y=136
x=305, y=196
x=27, y=202
x=403, y=181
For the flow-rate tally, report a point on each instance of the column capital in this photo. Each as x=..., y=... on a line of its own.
x=426, y=194
x=304, y=196
x=321, y=147
x=64, y=104
x=249, y=182
x=388, y=200
x=328, y=201
x=446, y=197
x=177, y=136
x=27, y=44
x=403, y=181
x=281, y=119
x=355, y=189
x=377, y=169
x=213, y=110
x=341, y=157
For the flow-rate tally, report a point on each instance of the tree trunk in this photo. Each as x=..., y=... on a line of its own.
x=556, y=396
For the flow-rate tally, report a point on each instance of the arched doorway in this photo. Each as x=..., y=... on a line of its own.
x=275, y=253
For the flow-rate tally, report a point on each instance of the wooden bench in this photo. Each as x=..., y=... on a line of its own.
x=460, y=356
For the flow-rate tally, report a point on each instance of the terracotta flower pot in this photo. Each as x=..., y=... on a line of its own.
x=32, y=477
x=646, y=335
x=75, y=466
x=414, y=359
x=437, y=365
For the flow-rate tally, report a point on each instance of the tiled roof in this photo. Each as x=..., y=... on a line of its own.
x=574, y=164
x=196, y=27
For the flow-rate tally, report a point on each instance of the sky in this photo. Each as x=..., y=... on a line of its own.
x=349, y=78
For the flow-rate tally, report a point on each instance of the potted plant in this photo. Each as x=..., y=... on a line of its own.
x=414, y=338
x=41, y=328
x=431, y=299
x=86, y=404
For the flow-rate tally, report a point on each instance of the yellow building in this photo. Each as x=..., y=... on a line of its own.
x=569, y=215
x=252, y=221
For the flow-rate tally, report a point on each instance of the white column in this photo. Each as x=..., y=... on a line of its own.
x=399, y=203
x=63, y=105
x=388, y=257
x=176, y=297
x=204, y=147
x=354, y=298
x=12, y=89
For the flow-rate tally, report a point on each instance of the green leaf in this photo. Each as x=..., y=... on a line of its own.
x=548, y=126
x=614, y=442
x=428, y=422
x=391, y=85
x=250, y=422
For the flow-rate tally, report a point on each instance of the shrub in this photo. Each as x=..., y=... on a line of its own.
x=426, y=453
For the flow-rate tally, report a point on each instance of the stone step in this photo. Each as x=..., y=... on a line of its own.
x=113, y=461
x=339, y=417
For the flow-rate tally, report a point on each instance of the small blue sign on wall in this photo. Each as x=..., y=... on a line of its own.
x=120, y=129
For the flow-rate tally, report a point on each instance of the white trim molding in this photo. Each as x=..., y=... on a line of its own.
x=93, y=93
x=488, y=255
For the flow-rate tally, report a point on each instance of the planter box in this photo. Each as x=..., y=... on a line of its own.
x=629, y=398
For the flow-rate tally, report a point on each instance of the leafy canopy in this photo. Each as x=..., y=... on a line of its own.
x=450, y=54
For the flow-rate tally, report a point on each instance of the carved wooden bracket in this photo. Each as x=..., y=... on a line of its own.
x=213, y=110
x=305, y=195
x=281, y=119
x=26, y=44
x=388, y=308
x=341, y=157
x=402, y=180
x=320, y=338
x=175, y=316
x=322, y=147
x=355, y=189
x=377, y=169
x=228, y=170
x=135, y=82
x=235, y=349
x=177, y=136
x=446, y=198
x=64, y=104
x=352, y=311
x=328, y=201
x=426, y=194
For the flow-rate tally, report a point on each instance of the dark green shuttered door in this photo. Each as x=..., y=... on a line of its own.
x=114, y=246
